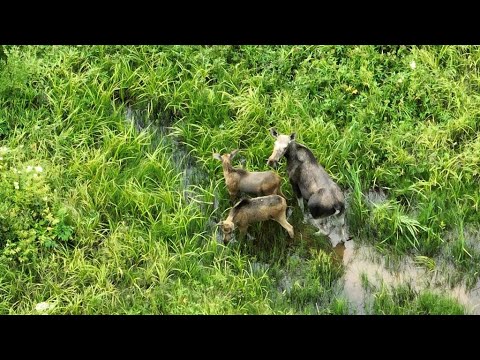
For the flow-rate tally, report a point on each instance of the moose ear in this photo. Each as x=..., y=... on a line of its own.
x=233, y=153
x=293, y=136
x=274, y=132
x=217, y=156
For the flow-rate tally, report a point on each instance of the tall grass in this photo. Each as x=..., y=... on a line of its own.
x=121, y=218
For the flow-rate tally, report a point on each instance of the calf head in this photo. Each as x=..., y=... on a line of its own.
x=227, y=229
x=226, y=158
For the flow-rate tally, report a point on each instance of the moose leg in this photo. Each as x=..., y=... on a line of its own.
x=339, y=221
x=298, y=195
x=341, y=224
x=289, y=212
x=233, y=197
x=322, y=231
x=321, y=225
x=301, y=205
x=243, y=230
x=282, y=220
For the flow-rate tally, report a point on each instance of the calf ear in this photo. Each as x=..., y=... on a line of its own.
x=233, y=153
x=274, y=132
x=217, y=156
x=293, y=136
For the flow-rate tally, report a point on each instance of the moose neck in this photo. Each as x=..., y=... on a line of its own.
x=291, y=150
x=227, y=167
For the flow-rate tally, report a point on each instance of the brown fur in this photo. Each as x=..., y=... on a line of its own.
x=247, y=211
x=254, y=183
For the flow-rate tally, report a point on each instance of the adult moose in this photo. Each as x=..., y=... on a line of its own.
x=310, y=182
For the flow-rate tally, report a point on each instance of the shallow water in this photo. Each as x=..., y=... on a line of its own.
x=364, y=261
x=469, y=298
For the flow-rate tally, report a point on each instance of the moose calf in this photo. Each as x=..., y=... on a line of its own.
x=247, y=211
x=253, y=183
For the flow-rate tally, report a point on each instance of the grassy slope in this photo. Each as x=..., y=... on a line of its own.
x=106, y=228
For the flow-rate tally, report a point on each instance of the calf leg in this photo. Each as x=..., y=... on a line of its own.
x=233, y=196
x=243, y=230
x=282, y=220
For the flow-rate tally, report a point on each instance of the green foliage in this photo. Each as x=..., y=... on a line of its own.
x=395, y=227
x=404, y=300
x=121, y=217
x=312, y=283
x=29, y=223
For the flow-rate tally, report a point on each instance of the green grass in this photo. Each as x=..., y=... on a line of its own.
x=403, y=300
x=122, y=221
